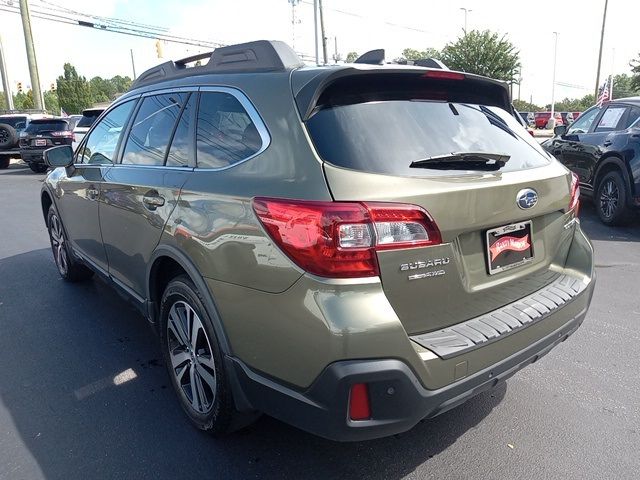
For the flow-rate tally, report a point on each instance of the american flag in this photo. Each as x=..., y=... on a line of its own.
x=604, y=95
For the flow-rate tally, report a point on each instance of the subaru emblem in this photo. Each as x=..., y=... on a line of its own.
x=527, y=198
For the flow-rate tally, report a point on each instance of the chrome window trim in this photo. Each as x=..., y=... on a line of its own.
x=253, y=115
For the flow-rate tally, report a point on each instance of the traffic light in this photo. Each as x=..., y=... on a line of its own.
x=19, y=87
x=53, y=87
x=159, y=48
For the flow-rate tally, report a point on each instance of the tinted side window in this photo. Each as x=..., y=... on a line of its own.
x=152, y=128
x=584, y=121
x=225, y=132
x=610, y=119
x=102, y=141
x=182, y=143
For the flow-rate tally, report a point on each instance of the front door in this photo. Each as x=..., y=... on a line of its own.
x=140, y=192
x=81, y=185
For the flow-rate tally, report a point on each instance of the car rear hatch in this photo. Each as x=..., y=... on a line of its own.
x=45, y=133
x=500, y=203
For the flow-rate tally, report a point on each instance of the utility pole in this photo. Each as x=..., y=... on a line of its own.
x=613, y=57
x=552, y=118
x=5, y=79
x=31, y=56
x=604, y=22
x=315, y=29
x=519, y=82
x=133, y=64
x=335, y=50
x=294, y=21
x=466, y=10
x=324, y=38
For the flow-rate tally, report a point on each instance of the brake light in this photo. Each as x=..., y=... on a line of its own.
x=444, y=74
x=359, y=407
x=574, y=203
x=340, y=239
x=63, y=133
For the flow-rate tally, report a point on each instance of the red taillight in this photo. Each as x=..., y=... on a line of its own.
x=574, y=203
x=359, y=407
x=340, y=239
x=445, y=74
x=63, y=133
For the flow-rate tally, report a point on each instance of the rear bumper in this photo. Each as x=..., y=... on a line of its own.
x=32, y=155
x=398, y=399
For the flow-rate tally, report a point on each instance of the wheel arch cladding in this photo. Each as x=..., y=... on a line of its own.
x=613, y=162
x=168, y=262
x=46, y=202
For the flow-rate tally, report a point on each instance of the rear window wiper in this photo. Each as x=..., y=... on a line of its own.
x=483, y=161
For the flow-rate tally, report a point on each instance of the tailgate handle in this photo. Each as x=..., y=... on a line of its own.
x=153, y=200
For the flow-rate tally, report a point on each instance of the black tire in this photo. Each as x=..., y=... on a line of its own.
x=68, y=267
x=8, y=136
x=612, y=199
x=200, y=364
x=38, y=167
x=4, y=162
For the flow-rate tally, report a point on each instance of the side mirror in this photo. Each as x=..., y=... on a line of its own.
x=61, y=156
x=560, y=130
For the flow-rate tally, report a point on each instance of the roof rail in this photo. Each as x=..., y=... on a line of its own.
x=372, y=57
x=258, y=56
x=431, y=63
x=24, y=111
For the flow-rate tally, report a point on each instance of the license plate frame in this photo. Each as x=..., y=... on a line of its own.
x=514, y=250
x=41, y=142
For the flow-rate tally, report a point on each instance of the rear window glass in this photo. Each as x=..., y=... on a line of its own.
x=88, y=119
x=15, y=122
x=386, y=136
x=39, y=126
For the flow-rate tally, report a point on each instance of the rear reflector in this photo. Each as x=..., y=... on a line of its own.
x=445, y=74
x=340, y=239
x=63, y=133
x=359, y=407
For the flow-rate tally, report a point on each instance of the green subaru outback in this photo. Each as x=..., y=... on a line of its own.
x=350, y=249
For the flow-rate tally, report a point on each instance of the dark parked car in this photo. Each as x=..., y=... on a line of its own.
x=40, y=135
x=542, y=118
x=270, y=220
x=12, y=123
x=603, y=148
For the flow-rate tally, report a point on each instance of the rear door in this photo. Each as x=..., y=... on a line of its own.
x=141, y=191
x=81, y=185
x=370, y=140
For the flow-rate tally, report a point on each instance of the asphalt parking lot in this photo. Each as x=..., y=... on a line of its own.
x=573, y=415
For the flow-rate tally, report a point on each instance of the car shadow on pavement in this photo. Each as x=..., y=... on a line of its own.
x=596, y=230
x=83, y=384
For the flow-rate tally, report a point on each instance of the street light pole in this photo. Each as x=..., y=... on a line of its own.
x=604, y=22
x=466, y=10
x=31, y=56
x=5, y=79
x=552, y=119
x=315, y=29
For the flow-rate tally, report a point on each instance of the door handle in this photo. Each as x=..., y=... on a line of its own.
x=92, y=193
x=153, y=201
x=607, y=143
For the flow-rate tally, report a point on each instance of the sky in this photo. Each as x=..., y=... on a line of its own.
x=358, y=25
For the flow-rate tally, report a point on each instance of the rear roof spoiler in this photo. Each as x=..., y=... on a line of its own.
x=258, y=56
x=308, y=87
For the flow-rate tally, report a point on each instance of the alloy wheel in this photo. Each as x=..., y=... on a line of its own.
x=191, y=357
x=58, y=244
x=609, y=198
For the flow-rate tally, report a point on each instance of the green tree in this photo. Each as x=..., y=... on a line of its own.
x=623, y=87
x=51, y=103
x=121, y=84
x=101, y=90
x=635, y=70
x=522, y=106
x=23, y=101
x=483, y=53
x=413, y=54
x=74, y=92
x=351, y=57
